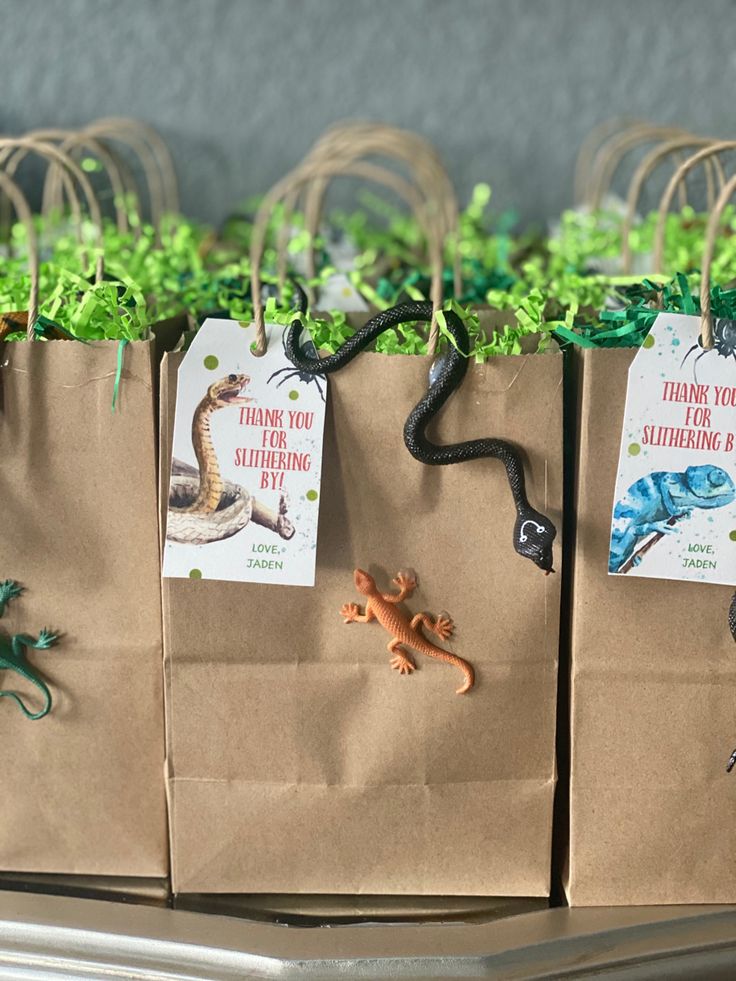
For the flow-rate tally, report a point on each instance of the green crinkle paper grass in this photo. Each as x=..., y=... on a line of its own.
x=551, y=287
x=149, y=277
x=112, y=310
x=629, y=326
x=411, y=338
x=392, y=262
x=586, y=238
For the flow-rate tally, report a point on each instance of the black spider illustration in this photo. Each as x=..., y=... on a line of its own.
x=303, y=376
x=724, y=343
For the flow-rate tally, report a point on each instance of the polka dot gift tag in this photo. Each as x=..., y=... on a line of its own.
x=247, y=455
x=674, y=511
x=338, y=293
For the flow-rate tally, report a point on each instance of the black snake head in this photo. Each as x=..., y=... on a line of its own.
x=533, y=537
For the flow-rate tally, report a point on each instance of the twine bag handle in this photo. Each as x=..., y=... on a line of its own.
x=314, y=194
x=351, y=141
x=404, y=189
x=287, y=188
x=356, y=139
x=149, y=144
x=613, y=151
x=151, y=177
x=589, y=148
x=415, y=151
x=293, y=183
x=8, y=162
x=315, y=197
x=22, y=146
x=118, y=174
x=153, y=156
x=711, y=234
x=639, y=178
x=13, y=193
x=70, y=192
x=708, y=154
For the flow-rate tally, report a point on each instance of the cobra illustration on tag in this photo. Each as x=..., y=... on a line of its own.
x=245, y=470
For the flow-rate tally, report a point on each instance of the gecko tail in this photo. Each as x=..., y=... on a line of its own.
x=442, y=655
x=467, y=670
x=29, y=714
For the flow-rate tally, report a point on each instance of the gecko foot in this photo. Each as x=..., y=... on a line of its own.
x=402, y=663
x=46, y=639
x=443, y=626
x=349, y=611
x=9, y=589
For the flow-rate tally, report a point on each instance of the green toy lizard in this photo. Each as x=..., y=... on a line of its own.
x=13, y=654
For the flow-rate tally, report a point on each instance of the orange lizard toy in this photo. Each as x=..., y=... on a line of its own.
x=382, y=607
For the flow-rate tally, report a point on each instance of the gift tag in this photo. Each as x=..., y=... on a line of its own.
x=247, y=454
x=338, y=293
x=674, y=513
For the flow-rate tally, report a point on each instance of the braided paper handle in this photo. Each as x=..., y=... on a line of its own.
x=23, y=211
x=302, y=178
x=711, y=234
x=708, y=154
x=640, y=176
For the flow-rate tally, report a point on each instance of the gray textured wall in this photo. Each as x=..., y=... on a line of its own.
x=505, y=88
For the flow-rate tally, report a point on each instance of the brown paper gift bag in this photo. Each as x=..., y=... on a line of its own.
x=652, y=694
x=298, y=761
x=653, y=671
x=83, y=787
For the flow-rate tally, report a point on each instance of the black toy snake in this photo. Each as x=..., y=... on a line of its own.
x=533, y=532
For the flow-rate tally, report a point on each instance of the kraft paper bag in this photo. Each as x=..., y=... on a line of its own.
x=653, y=700
x=83, y=790
x=298, y=761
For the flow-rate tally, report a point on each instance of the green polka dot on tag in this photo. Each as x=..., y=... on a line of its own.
x=648, y=341
x=312, y=495
x=732, y=535
x=634, y=449
x=211, y=362
x=293, y=395
x=195, y=573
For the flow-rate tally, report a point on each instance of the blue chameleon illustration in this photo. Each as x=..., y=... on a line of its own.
x=652, y=501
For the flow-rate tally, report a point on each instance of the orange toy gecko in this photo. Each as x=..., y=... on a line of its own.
x=382, y=607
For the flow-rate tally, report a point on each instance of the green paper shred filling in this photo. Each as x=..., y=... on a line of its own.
x=568, y=286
